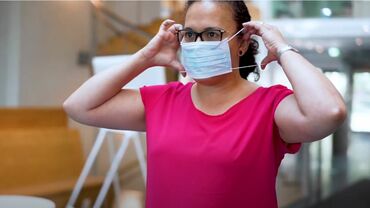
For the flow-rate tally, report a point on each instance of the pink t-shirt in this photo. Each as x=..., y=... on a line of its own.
x=197, y=160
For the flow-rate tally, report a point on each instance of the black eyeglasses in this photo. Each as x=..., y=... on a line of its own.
x=188, y=35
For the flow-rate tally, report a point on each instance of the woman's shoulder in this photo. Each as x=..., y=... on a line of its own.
x=274, y=94
x=171, y=86
x=153, y=91
x=275, y=89
x=152, y=94
x=264, y=90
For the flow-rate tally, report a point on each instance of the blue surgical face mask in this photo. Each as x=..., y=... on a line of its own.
x=205, y=59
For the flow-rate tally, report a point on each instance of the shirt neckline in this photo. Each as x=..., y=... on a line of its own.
x=226, y=111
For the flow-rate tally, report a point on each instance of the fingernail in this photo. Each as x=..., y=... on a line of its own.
x=263, y=66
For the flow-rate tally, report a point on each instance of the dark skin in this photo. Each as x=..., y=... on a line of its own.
x=314, y=111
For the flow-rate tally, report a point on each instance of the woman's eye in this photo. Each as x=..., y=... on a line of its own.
x=189, y=34
x=212, y=34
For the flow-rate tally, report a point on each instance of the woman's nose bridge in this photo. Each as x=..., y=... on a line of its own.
x=198, y=38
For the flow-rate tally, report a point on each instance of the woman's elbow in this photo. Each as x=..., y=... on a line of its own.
x=327, y=123
x=67, y=105
x=339, y=114
x=334, y=119
x=70, y=108
x=77, y=112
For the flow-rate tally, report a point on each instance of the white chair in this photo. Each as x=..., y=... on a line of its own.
x=152, y=76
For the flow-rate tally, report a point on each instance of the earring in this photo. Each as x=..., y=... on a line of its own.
x=240, y=53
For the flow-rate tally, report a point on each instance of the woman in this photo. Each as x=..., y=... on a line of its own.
x=218, y=141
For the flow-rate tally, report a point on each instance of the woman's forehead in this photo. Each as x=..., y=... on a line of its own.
x=206, y=14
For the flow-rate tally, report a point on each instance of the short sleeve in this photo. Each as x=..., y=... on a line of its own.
x=151, y=94
x=280, y=93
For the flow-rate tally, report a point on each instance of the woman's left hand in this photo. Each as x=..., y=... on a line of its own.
x=306, y=115
x=271, y=36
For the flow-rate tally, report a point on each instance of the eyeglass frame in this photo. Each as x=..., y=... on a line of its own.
x=198, y=34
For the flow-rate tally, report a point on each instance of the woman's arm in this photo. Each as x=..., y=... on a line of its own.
x=316, y=108
x=102, y=102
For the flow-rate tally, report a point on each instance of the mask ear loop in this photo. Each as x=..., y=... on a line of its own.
x=228, y=39
x=242, y=67
x=256, y=77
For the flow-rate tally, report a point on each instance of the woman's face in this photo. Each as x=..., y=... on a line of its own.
x=207, y=14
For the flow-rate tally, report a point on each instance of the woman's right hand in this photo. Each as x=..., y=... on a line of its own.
x=99, y=101
x=162, y=49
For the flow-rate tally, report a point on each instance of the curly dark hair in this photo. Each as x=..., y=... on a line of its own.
x=241, y=15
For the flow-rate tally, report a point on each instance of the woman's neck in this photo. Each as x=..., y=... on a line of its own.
x=219, y=88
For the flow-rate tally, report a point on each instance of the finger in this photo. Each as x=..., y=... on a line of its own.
x=255, y=27
x=166, y=24
x=251, y=31
x=247, y=35
x=174, y=28
x=175, y=64
x=270, y=27
x=170, y=34
x=268, y=59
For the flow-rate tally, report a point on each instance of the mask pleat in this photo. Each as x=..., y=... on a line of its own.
x=206, y=59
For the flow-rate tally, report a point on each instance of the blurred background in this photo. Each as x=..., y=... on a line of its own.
x=47, y=50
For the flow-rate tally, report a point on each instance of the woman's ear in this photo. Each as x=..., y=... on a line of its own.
x=243, y=47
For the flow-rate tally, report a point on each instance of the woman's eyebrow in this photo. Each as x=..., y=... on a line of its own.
x=188, y=28
x=212, y=28
x=205, y=29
